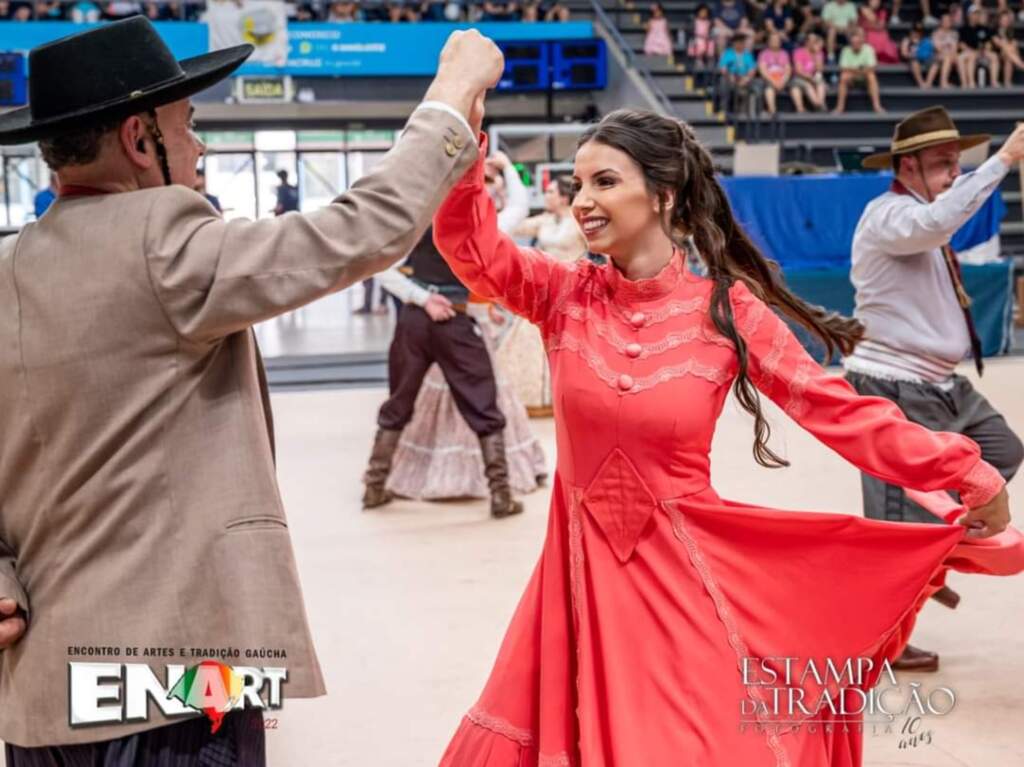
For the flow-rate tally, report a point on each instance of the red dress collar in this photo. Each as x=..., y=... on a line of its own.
x=651, y=288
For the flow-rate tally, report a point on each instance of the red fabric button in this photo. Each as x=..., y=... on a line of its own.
x=625, y=382
x=633, y=350
x=637, y=320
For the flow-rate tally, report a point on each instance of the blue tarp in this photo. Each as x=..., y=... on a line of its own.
x=807, y=222
x=989, y=286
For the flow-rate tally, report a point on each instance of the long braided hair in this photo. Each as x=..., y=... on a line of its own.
x=672, y=159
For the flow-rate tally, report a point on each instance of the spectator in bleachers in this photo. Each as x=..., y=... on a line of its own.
x=431, y=10
x=701, y=48
x=874, y=20
x=658, y=40
x=1006, y=44
x=918, y=50
x=806, y=20
x=840, y=17
x=557, y=11
x=343, y=12
x=946, y=41
x=977, y=49
x=857, y=67
x=730, y=18
x=778, y=17
x=400, y=10
x=500, y=11
x=84, y=13
x=121, y=10
x=374, y=10
x=775, y=68
x=48, y=11
x=16, y=11
x=738, y=87
x=809, y=74
x=530, y=11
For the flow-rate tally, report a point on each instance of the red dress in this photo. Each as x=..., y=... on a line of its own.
x=627, y=647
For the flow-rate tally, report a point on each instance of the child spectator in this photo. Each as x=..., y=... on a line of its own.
x=701, y=49
x=946, y=41
x=874, y=20
x=976, y=48
x=1006, y=44
x=857, y=66
x=738, y=83
x=840, y=17
x=919, y=52
x=774, y=66
x=809, y=74
x=658, y=41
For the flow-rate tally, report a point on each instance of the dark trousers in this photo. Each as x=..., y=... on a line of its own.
x=962, y=410
x=457, y=346
x=240, y=742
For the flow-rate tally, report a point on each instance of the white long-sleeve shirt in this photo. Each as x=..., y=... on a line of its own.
x=517, y=207
x=915, y=328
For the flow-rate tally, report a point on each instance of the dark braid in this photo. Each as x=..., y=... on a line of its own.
x=672, y=159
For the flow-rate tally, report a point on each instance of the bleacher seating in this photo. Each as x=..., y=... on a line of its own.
x=812, y=138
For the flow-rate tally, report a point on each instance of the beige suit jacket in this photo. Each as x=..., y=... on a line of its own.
x=138, y=500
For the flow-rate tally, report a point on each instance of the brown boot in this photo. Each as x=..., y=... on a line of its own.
x=916, y=659
x=496, y=468
x=946, y=596
x=379, y=468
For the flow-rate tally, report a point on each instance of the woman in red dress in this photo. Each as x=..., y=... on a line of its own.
x=645, y=632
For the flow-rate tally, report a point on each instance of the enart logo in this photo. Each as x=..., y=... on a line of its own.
x=108, y=693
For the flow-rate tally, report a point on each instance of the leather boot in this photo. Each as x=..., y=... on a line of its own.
x=916, y=659
x=946, y=596
x=376, y=476
x=496, y=469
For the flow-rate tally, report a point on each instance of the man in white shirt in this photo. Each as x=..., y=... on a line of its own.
x=916, y=313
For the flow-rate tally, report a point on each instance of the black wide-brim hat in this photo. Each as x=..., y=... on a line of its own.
x=108, y=73
x=920, y=130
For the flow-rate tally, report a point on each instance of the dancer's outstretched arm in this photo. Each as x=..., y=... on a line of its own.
x=870, y=432
x=215, y=277
x=489, y=262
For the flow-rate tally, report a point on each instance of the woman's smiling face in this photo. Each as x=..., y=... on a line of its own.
x=613, y=204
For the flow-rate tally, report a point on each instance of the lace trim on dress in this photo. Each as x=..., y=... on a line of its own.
x=613, y=379
x=501, y=726
x=666, y=344
x=555, y=760
x=797, y=405
x=771, y=361
x=582, y=312
x=749, y=324
x=980, y=485
x=725, y=615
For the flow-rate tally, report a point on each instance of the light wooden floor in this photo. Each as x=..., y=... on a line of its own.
x=408, y=604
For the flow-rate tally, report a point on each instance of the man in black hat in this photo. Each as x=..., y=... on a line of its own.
x=916, y=313
x=140, y=508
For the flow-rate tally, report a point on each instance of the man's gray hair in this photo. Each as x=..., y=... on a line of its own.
x=79, y=148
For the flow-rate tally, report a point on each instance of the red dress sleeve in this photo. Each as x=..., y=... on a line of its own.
x=870, y=432
x=486, y=260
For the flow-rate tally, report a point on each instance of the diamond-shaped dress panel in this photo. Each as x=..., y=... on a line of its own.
x=621, y=503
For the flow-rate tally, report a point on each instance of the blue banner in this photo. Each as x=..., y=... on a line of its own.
x=807, y=222
x=184, y=38
x=323, y=49
x=400, y=50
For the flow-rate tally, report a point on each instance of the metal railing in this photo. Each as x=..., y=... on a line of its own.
x=612, y=30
